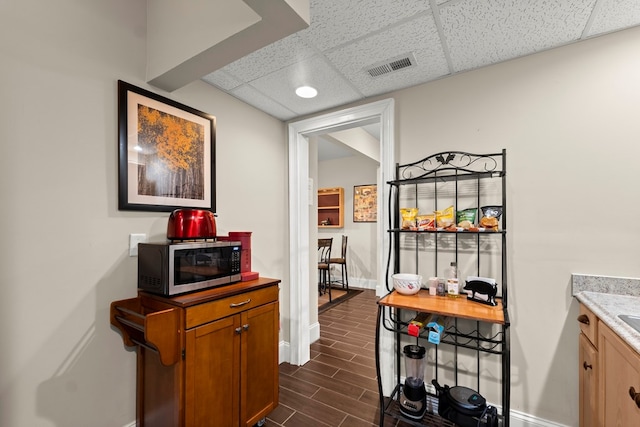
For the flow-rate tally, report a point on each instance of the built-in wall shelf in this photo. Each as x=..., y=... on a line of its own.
x=331, y=207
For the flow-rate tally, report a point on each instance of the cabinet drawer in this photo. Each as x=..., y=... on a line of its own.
x=588, y=324
x=208, y=312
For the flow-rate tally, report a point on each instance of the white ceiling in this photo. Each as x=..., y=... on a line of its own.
x=346, y=38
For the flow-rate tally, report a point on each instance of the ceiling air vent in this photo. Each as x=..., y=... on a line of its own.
x=390, y=65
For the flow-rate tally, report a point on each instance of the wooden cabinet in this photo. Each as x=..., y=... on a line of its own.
x=588, y=380
x=225, y=343
x=619, y=381
x=609, y=376
x=588, y=368
x=331, y=207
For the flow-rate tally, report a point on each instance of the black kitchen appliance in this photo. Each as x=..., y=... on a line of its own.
x=413, y=399
x=465, y=407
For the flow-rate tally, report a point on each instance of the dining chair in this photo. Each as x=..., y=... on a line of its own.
x=324, y=266
x=342, y=261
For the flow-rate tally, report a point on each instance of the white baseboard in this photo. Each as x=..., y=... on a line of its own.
x=362, y=283
x=284, y=350
x=520, y=419
x=314, y=332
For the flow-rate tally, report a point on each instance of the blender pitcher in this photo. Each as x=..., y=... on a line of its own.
x=413, y=399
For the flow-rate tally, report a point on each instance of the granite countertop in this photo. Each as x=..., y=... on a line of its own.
x=607, y=297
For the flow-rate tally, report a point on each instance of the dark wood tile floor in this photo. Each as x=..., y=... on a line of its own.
x=338, y=386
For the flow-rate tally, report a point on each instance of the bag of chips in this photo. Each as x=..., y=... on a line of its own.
x=425, y=222
x=491, y=216
x=408, y=217
x=467, y=215
x=445, y=217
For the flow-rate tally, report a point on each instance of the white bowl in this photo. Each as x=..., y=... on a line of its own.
x=407, y=284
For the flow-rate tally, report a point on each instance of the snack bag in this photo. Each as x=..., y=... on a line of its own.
x=425, y=222
x=445, y=218
x=492, y=211
x=468, y=215
x=408, y=217
x=491, y=216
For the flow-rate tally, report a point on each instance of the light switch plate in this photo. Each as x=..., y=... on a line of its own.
x=134, y=239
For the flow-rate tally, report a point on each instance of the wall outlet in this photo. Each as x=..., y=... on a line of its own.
x=134, y=239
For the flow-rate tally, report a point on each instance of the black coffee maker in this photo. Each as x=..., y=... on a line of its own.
x=413, y=399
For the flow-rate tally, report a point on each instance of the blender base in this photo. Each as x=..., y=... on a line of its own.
x=414, y=409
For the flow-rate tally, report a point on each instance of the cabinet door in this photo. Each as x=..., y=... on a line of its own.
x=212, y=374
x=259, y=373
x=588, y=378
x=619, y=374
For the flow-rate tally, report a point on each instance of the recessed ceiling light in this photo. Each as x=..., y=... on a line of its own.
x=306, y=92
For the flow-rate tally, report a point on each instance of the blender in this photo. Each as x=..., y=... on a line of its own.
x=413, y=399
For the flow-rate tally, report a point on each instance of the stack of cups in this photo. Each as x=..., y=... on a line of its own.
x=433, y=285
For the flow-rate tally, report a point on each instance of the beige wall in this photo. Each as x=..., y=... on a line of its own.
x=362, y=236
x=64, y=250
x=568, y=118
x=569, y=121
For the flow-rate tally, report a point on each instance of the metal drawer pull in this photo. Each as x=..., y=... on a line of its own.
x=583, y=318
x=238, y=330
x=245, y=327
x=585, y=366
x=239, y=304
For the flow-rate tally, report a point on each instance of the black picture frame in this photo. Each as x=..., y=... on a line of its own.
x=166, y=153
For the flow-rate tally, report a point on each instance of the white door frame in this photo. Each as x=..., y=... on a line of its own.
x=299, y=193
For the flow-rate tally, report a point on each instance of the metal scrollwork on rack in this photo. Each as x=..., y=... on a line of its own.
x=449, y=163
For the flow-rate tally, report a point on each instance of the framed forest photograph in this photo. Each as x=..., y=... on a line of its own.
x=166, y=153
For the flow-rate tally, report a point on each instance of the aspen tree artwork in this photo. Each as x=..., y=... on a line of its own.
x=166, y=153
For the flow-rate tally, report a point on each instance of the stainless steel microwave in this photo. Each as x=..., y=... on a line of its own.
x=175, y=268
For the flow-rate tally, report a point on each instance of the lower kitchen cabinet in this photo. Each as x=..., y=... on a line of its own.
x=609, y=376
x=588, y=368
x=619, y=381
x=588, y=379
x=208, y=358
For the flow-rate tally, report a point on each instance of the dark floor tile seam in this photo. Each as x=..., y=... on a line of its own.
x=293, y=411
x=373, y=408
x=315, y=401
x=346, y=323
x=343, y=357
x=350, y=324
x=350, y=385
x=360, y=337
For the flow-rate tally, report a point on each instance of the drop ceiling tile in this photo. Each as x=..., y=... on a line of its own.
x=479, y=33
x=335, y=21
x=418, y=36
x=222, y=80
x=612, y=15
x=271, y=58
x=333, y=90
x=258, y=100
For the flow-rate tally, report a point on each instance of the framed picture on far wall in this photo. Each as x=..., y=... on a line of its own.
x=166, y=153
x=365, y=203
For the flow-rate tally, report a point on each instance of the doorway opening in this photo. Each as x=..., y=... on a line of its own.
x=300, y=193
